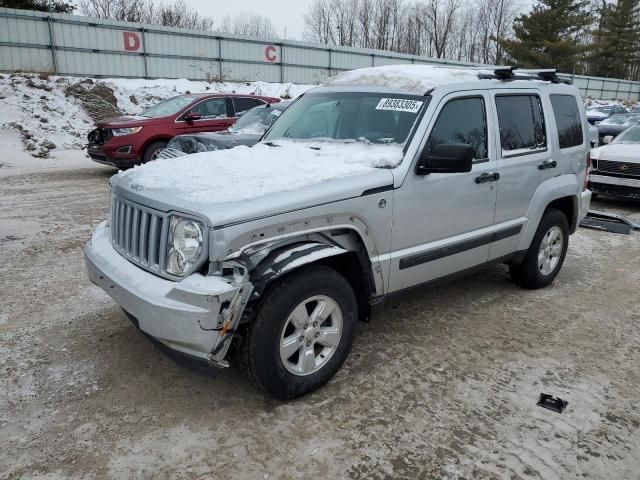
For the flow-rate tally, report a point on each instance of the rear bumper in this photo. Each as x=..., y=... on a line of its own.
x=195, y=316
x=615, y=186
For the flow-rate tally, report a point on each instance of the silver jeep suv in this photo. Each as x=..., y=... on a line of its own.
x=381, y=180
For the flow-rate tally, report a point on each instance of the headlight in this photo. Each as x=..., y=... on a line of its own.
x=119, y=132
x=185, y=245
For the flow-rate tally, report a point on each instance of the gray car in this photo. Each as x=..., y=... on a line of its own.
x=246, y=131
x=382, y=180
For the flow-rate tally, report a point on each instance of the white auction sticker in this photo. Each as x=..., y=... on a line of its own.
x=399, y=105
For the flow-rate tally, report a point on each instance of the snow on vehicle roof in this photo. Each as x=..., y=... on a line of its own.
x=413, y=78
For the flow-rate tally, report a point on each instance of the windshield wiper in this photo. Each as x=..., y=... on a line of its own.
x=271, y=144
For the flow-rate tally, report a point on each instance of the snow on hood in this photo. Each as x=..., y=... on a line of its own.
x=414, y=78
x=626, y=152
x=244, y=173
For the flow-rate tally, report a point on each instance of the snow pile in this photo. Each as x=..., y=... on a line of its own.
x=413, y=78
x=52, y=113
x=245, y=173
x=39, y=111
x=592, y=102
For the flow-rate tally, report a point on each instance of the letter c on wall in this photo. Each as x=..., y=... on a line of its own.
x=131, y=41
x=270, y=53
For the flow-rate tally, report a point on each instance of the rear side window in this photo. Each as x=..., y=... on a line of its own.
x=521, y=123
x=244, y=104
x=462, y=120
x=567, y=115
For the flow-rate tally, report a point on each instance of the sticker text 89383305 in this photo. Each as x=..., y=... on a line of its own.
x=399, y=105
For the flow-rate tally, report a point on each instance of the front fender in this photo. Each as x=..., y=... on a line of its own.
x=288, y=258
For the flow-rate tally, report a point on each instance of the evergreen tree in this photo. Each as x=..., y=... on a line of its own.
x=56, y=6
x=549, y=36
x=615, y=51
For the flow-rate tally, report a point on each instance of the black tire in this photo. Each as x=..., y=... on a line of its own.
x=528, y=273
x=259, y=352
x=152, y=151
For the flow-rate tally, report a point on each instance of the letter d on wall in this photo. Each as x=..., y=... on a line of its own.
x=131, y=41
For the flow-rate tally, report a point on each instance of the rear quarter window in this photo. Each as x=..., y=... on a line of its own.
x=568, y=122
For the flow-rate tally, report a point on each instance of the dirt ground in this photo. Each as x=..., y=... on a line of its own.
x=441, y=386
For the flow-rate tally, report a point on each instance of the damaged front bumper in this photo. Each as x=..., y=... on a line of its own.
x=195, y=316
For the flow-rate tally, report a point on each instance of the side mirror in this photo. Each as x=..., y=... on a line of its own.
x=607, y=139
x=446, y=158
x=191, y=116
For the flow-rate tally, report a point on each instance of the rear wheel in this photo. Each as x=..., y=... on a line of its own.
x=302, y=333
x=152, y=151
x=546, y=254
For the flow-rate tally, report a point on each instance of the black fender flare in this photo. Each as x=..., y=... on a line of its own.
x=286, y=259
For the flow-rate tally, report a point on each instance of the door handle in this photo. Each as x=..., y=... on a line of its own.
x=488, y=177
x=547, y=164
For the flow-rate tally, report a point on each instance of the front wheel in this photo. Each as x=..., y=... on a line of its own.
x=546, y=253
x=152, y=151
x=301, y=334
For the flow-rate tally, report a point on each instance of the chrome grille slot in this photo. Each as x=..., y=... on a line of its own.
x=618, y=168
x=139, y=233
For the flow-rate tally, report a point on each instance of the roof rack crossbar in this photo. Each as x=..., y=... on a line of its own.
x=513, y=73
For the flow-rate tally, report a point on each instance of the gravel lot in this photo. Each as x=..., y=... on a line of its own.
x=442, y=385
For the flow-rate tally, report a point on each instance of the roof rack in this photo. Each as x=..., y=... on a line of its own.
x=510, y=73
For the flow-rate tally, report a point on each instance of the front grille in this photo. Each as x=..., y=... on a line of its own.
x=626, y=169
x=139, y=233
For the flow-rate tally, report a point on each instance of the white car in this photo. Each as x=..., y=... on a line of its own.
x=615, y=167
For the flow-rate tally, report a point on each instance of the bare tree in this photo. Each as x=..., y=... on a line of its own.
x=318, y=22
x=250, y=24
x=464, y=31
x=439, y=19
x=179, y=14
x=176, y=14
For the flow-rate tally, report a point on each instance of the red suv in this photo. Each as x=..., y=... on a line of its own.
x=129, y=140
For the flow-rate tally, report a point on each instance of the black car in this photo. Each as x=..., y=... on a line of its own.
x=246, y=131
x=616, y=124
x=597, y=113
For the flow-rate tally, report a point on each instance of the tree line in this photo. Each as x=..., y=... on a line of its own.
x=575, y=36
x=155, y=12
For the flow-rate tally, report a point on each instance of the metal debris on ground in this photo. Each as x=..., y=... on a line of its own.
x=608, y=222
x=550, y=402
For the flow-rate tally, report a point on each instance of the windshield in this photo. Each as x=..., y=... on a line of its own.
x=630, y=135
x=620, y=120
x=256, y=121
x=168, y=107
x=350, y=116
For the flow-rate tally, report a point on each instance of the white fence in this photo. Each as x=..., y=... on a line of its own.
x=72, y=45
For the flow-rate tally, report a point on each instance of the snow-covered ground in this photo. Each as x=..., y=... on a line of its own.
x=44, y=120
